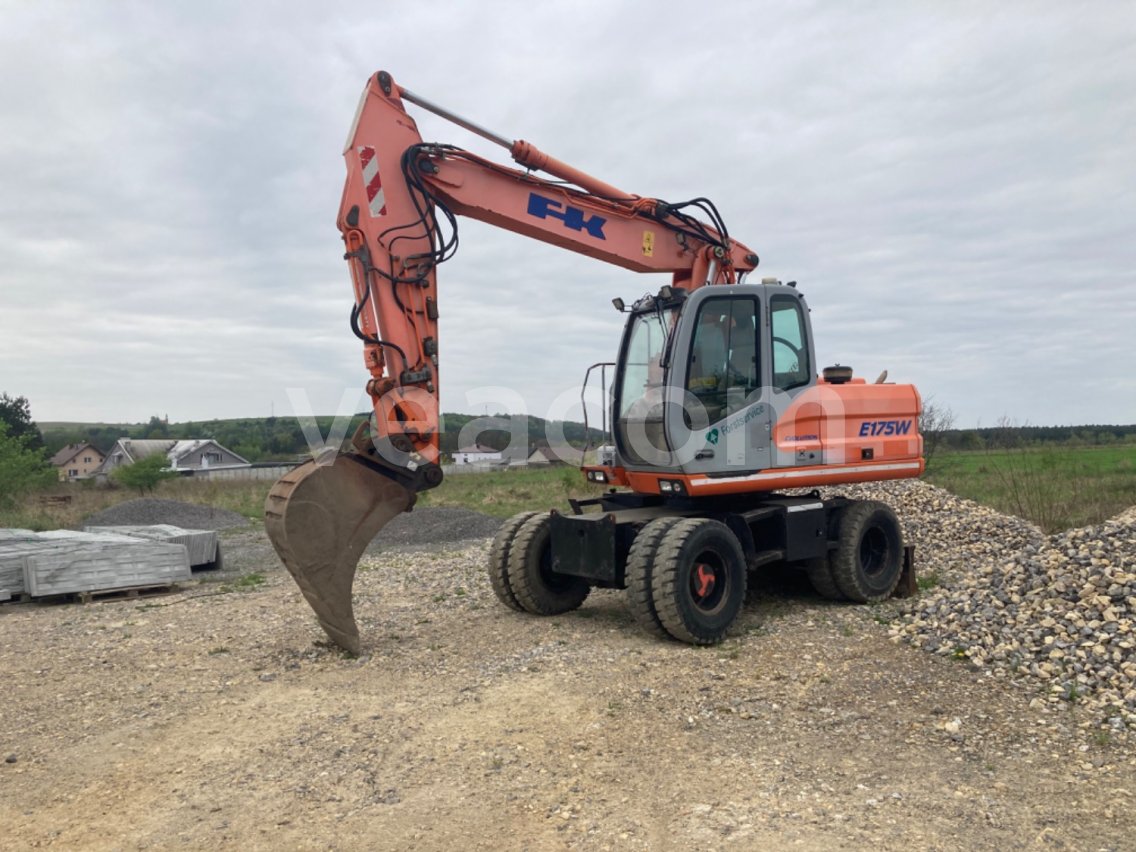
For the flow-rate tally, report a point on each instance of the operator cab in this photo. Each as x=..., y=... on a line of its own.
x=701, y=376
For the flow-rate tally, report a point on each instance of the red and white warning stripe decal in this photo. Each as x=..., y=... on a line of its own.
x=372, y=181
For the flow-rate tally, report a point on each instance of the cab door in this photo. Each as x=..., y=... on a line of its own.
x=791, y=369
x=718, y=421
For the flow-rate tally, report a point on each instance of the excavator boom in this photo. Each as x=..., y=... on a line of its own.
x=398, y=222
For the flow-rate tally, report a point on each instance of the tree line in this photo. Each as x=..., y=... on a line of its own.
x=995, y=437
x=260, y=439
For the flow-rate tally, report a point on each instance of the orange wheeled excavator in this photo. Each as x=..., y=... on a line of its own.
x=719, y=419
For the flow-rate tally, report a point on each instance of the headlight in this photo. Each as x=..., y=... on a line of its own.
x=666, y=486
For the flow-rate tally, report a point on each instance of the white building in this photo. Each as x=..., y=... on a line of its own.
x=183, y=456
x=477, y=454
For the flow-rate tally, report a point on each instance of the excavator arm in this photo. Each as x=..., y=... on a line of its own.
x=398, y=218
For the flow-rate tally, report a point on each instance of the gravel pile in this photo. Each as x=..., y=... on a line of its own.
x=1060, y=610
x=151, y=510
x=427, y=526
x=951, y=535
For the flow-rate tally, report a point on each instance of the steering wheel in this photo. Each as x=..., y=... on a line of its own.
x=794, y=349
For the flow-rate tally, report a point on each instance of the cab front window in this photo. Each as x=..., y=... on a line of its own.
x=643, y=364
x=640, y=432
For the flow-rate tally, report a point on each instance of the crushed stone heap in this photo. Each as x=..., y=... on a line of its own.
x=1019, y=604
x=153, y=510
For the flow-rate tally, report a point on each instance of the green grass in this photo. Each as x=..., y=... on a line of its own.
x=244, y=583
x=37, y=512
x=928, y=581
x=1099, y=459
x=1056, y=487
x=507, y=492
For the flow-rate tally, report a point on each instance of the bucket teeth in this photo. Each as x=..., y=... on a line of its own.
x=320, y=518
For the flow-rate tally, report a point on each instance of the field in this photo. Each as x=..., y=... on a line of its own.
x=1057, y=487
x=497, y=494
x=67, y=504
x=511, y=491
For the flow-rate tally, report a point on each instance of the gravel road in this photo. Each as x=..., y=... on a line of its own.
x=216, y=717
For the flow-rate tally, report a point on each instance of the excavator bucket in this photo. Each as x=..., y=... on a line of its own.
x=320, y=518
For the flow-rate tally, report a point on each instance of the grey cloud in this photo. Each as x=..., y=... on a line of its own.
x=951, y=185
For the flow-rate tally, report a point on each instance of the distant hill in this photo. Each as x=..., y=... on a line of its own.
x=281, y=438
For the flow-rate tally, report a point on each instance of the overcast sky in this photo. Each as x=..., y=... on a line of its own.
x=952, y=184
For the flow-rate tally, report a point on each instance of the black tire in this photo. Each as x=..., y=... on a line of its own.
x=536, y=587
x=868, y=558
x=216, y=565
x=637, y=575
x=698, y=581
x=822, y=579
x=498, y=567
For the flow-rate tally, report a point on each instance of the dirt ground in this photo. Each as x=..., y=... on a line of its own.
x=216, y=718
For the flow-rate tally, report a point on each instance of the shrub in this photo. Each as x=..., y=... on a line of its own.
x=145, y=475
x=22, y=469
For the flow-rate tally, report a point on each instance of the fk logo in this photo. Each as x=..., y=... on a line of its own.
x=572, y=217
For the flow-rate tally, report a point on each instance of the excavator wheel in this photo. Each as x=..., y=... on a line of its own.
x=499, y=560
x=820, y=570
x=320, y=518
x=538, y=588
x=868, y=558
x=698, y=582
x=637, y=575
x=822, y=579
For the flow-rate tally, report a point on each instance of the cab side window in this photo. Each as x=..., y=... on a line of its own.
x=791, y=367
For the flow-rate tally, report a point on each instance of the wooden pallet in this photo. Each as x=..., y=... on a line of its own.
x=123, y=594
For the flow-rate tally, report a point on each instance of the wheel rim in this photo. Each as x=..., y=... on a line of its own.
x=552, y=580
x=709, y=582
x=874, y=552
